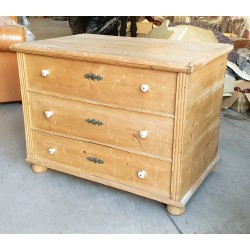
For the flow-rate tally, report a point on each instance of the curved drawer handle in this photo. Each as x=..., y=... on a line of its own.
x=95, y=160
x=94, y=122
x=93, y=77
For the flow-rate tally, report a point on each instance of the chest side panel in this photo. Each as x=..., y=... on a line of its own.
x=201, y=119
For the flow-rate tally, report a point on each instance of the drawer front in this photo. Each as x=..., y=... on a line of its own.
x=115, y=165
x=124, y=129
x=108, y=84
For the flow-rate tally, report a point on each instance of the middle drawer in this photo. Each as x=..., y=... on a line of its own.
x=143, y=133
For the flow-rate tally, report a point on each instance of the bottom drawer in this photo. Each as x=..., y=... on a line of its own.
x=115, y=165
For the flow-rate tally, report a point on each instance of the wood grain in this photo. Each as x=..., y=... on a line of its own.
x=159, y=54
x=38, y=169
x=181, y=111
x=178, y=148
x=201, y=123
x=25, y=106
x=117, y=165
x=120, y=128
x=73, y=171
x=120, y=86
x=173, y=210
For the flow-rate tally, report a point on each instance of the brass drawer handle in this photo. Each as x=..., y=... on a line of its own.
x=94, y=122
x=95, y=160
x=93, y=77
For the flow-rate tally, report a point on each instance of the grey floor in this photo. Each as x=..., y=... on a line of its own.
x=53, y=202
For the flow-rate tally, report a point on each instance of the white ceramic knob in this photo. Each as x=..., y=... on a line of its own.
x=141, y=174
x=143, y=134
x=48, y=113
x=144, y=88
x=44, y=72
x=52, y=151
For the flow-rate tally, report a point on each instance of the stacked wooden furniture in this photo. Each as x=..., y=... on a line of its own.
x=141, y=115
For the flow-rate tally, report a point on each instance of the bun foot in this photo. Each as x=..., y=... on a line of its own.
x=175, y=210
x=38, y=169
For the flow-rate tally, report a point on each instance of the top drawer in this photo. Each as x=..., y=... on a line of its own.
x=109, y=84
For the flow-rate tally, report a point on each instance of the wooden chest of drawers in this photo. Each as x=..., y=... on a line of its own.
x=141, y=115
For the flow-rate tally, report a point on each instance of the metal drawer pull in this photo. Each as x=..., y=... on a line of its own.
x=95, y=160
x=48, y=113
x=143, y=134
x=44, y=72
x=52, y=151
x=94, y=122
x=141, y=174
x=144, y=88
x=93, y=77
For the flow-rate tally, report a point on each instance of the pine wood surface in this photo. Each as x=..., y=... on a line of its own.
x=117, y=165
x=178, y=149
x=75, y=172
x=173, y=210
x=25, y=105
x=120, y=86
x=38, y=168
x=201, y=123
x=116, y=129
x=161, y=54
x=180, y=112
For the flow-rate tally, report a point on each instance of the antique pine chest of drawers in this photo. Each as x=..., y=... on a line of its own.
x=141, y=115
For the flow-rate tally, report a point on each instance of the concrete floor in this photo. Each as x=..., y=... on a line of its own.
x=44, y=28
x=54, y=202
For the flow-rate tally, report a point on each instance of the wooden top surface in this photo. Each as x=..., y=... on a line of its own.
x=140, y=52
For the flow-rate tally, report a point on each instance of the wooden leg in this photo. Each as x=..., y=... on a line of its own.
x=175, y=210
x=38, y=169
